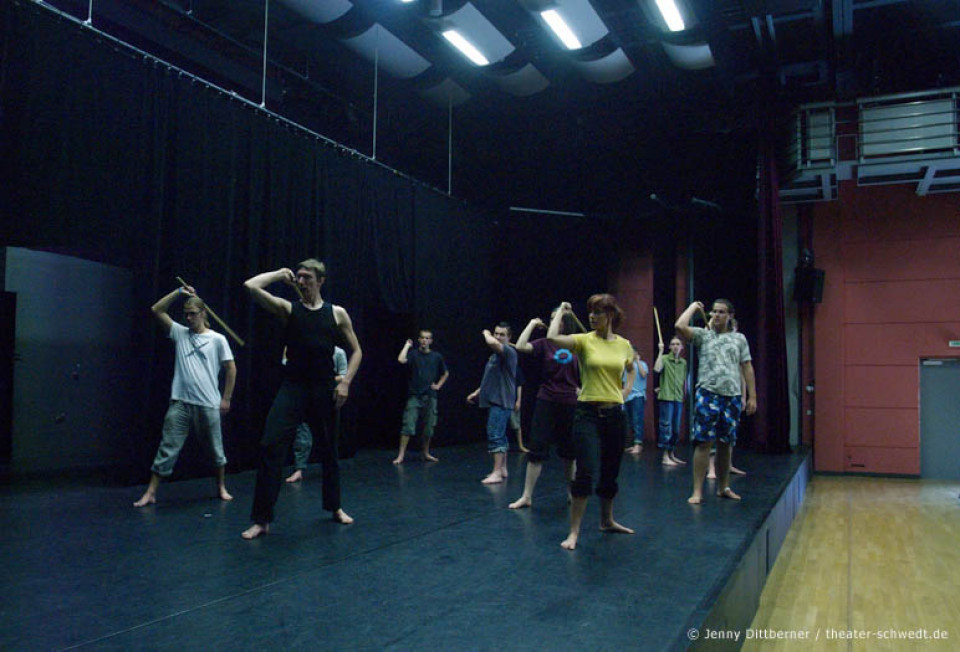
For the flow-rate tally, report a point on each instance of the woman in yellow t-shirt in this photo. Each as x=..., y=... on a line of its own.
x=599, y=423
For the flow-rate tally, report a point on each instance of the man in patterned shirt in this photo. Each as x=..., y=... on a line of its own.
x=724, y=354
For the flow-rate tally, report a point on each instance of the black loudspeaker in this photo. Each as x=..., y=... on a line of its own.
x=808, y=287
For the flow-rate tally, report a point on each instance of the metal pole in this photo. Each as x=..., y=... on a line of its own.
x=449, y=144
x=376, y=88
x=89, y=20
x=266, y=25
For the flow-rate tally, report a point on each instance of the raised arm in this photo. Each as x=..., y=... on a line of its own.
x=229, y=381
x=160, y=308
x=683, y=321
x=523, y=342
x=257, y=286
x=356, y=355
x=658, y=364
x=553, y=332
x=492, y=342
x=402, y=358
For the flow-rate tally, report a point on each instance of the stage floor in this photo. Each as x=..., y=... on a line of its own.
x=435, y=560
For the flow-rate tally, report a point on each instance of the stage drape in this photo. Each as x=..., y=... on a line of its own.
x=112, y=156
x=772, y=424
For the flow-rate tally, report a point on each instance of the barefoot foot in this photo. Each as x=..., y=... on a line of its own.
x=296, y=476
x=224, y=494
x=615, y=527
x=493, y=478
x=398, y=460
x=521, y=503
x=669, y=461
x=147, y=499
x=728, y=493
x=430, y=458
x=341, y=516
x=695, y=499
x=734, y=470
x=677, y=459
x=569, y=543
x=255, y=531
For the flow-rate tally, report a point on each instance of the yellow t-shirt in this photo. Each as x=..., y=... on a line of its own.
x=602, y=363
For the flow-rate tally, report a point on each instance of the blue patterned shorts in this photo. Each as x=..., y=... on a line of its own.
x=715, y=417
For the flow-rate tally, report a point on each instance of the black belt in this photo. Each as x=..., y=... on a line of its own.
x=600, y=410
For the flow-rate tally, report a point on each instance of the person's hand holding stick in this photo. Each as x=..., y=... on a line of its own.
x=216, y=318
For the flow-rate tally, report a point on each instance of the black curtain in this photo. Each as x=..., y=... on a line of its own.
x=772, y=427
x=111, y=156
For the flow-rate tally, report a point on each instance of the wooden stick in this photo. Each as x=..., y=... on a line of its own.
x=704, y=314
x=216, y=318
x=299, y=293
x=656, y=317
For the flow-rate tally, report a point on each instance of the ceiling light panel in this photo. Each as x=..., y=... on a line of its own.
x=671, y=15
x=473, y=27
x=582, y=19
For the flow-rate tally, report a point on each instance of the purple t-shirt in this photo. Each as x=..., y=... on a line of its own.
x=560, y=372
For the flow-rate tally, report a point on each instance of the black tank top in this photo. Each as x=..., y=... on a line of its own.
x=310, y=337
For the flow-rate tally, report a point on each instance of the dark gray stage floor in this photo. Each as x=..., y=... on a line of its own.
x=435, y=560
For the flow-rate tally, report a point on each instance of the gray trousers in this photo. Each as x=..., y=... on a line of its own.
x=181, y=417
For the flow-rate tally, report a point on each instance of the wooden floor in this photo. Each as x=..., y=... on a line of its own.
x=875, y=557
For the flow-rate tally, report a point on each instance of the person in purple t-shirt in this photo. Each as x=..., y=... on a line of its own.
x=556, y=403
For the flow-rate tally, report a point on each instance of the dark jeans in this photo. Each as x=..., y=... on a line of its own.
x=598, y=437
x=293, y=405
x=670, y=414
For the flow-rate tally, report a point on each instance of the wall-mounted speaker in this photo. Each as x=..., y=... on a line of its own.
x=808, y=286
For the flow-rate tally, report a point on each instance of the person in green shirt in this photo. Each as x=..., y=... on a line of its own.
x=673, y=377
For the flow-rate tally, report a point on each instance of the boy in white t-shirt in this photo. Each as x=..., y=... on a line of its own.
x=195, y=399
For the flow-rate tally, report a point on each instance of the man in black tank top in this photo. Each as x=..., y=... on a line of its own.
x=312, y=327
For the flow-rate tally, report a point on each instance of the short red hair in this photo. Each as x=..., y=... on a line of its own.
x=606, y=303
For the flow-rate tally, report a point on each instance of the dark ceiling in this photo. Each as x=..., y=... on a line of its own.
x=578, y=144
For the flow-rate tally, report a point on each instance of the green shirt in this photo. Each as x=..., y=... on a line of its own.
x=672, y=378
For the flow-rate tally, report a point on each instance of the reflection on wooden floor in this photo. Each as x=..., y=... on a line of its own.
x=878, y=558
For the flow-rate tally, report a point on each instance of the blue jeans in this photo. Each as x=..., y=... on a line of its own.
x=634, y=409
x=497, y=420
x=670, y=415
x=302, y=445
x=598, y=438
x=176, y=426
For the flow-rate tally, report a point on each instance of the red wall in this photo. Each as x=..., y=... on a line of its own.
x=891, y=297
x=633, y=285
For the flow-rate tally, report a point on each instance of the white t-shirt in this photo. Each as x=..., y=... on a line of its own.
x=197, y=366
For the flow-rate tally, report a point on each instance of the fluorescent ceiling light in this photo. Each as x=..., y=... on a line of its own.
x=466, y=47
x=668, y=9
x=561, y=29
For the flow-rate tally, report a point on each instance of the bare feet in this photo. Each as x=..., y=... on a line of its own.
x=711, y=475
x=521, y=503
x=430, y=458
x=734, y=470
x=615, y=527
x=296, y=476
x=633, y=450
x=668, y=461
x=728, y=493
x=695, y=499
x=224, y=494
x=146, y=499
x=399, y=460
x=256, y=530
x=676, y=459
x=570, y=542
x=341, y=516
x=493, y=478
x=503, y=471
